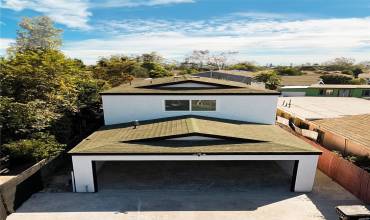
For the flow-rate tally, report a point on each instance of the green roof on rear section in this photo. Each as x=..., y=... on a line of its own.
x=226, y=137
x=210, y=86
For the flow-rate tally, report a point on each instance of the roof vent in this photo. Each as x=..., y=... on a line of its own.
x=136, y=123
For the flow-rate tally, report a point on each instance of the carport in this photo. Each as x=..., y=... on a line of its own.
x=191, y=138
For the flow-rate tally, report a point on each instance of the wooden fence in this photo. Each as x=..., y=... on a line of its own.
x=348, y=175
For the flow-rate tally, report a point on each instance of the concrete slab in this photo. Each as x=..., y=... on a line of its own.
x=224, y=193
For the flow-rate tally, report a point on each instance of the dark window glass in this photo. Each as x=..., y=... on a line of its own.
x=203, y=105
x=366, y=92
x=177, y=105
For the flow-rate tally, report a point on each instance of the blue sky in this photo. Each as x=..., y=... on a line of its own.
x=265, y=31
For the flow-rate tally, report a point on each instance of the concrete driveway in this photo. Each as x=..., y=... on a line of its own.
x=172, y=191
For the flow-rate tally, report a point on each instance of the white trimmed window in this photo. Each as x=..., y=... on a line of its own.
x=203, y=105
x=190, y=105
x=177, y=105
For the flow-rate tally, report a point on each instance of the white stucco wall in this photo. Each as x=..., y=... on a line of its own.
x=127, y=108
x=84, y=179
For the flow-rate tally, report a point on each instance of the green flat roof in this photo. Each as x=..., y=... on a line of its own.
x=211, y=86
x=229, y=137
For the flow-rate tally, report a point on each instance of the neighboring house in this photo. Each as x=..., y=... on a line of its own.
x=343, y=123
x=316, y=108
x=292, y=91
x=359, y=91
x=231, y=75
x=349, y=134
x=186, y=119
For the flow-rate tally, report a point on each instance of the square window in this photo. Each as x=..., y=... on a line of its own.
x=329, y=91
x=177, y=105
x=366, y=93
x=203, y=105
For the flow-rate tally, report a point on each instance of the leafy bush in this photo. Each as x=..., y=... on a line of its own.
x=139, y=72
x=358, y=81
x=271, y=79
x=308, y=68
x=35, y=149
x=247, y=66
x=357, y=71
x=347, y=72
x=288, y=71
x=20, y=120
x=336, y=79
x=156, y=70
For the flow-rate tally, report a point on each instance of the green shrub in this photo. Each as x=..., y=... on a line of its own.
x=139, y=72
x=288, y=71
x=357, y=71
x=336, y=79
x=34, y=149
x=246, y=66
x=347, y=72
x=271, y=79
x=358, y=81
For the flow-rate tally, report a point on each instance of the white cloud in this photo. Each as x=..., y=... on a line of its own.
x=4, y=44
x=271, y=40
x=73, y=14
x=137, y=3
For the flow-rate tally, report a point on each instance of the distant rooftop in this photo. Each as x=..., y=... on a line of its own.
x=179, y=85
x=355, y=128
x=313, y=108
x=339, y=86
x=154, y=137
x=295, y=87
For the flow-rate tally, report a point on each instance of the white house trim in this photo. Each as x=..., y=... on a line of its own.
x=85, y=177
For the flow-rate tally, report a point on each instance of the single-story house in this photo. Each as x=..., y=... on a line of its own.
x=191, y=119
x=342, y=123
x=359, y=91
x=348, y=134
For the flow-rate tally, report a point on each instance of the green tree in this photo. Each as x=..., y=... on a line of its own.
x=357, y=71
x=336, y=79
x=34, y=149
x=339, y=64
x=43, y=92
x=114, y=68
x=21, y=120
x=271, y=79
x=140, y=72
x=37, y=33
x=156, y=70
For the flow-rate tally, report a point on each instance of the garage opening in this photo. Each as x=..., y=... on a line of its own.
x=193, y=175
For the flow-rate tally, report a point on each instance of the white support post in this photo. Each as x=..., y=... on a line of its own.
x=84, y=174
x=305, y=173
